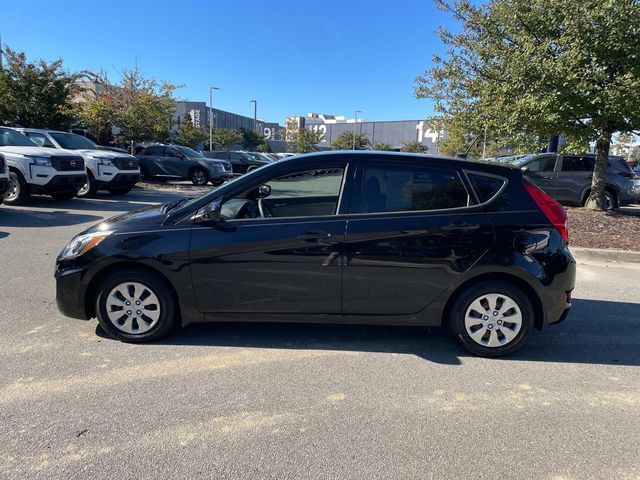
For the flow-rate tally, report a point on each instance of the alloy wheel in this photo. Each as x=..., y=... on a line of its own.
x=133, y=308
x=493, y=320
x=199, y=178
x=85, y=188
x=14, y=189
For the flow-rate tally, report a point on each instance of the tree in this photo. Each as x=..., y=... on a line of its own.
x=188, y=134
x=224, y=138
x=306, y=140
x=415, y=147
x=382, y=147
x=98, y=117
x=37, y=94
x=252, y=140
x=141, y=108
x=525, y=69
x=345, y=141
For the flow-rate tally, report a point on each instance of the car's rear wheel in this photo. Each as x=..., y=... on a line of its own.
x=89, y=188
x=136, y=306
x=199, y=176
x=491, y=319
x=610, y=200
x=18, y=192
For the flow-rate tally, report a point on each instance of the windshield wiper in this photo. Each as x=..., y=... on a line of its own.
x=167, y=207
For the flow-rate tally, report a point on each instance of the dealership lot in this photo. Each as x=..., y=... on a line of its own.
x=301, y=401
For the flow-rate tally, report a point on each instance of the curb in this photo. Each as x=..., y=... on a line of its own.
x=602, y=255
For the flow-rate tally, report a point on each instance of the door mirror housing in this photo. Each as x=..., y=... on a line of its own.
x=264, y=191
x=524, y=169
x=210, y=213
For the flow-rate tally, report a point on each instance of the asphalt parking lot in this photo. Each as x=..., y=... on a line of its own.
x=303, y=401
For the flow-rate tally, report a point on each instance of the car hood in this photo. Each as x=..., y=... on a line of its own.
x=148, y=218
x=36, y=151
x=106, y=154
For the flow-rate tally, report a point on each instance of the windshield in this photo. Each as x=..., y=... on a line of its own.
x=189, y=152
x=11, y=138
x=72, y=141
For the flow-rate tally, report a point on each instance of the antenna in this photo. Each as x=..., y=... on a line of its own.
x=1, y=52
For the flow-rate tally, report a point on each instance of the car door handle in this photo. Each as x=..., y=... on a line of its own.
x=314, y=236
x=460, y=227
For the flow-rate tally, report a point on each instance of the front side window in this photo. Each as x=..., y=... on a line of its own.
x=306, y=193
x=409, y=188
x=71, y=141
x=571, y=163
x=40, y=139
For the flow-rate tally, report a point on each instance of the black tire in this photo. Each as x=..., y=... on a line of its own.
x=456, y=318
x=144, y=174
x=64, y=195
x=119, y=190
x=198, y=176
x=168, y=317
x=21, y=192
x=610, y=200
x=89, y=189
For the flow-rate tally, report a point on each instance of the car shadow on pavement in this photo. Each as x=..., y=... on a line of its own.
x=596, y=332
x=15, y=217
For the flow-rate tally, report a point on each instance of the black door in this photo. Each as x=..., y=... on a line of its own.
x=285, y=260
x=412, y=233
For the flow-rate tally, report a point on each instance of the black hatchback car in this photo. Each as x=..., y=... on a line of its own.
x=344, y=237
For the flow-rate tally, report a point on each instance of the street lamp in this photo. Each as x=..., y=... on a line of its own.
x=211, y=89
x=355, y=120
x=255, y=115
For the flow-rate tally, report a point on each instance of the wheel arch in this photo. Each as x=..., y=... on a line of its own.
x=92, y=288
x=498, y=276
x=608, y=187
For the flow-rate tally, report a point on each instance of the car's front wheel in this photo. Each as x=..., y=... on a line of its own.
x=18, y=191
x=136, y=306
x=90, y=187
x=64, y=195
x=199, y=176
x=492, y=318
x=119, y=190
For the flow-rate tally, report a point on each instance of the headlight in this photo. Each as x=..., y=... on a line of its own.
x=216, y=166
x=83, y=243
x=107, y=162
x=41, y=161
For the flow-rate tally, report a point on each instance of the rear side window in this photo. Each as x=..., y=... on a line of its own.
x=155, y=151
x=486, y=187
x=572, y=163
x=395, y=188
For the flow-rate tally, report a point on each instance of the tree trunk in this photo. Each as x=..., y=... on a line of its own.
x=596, y=199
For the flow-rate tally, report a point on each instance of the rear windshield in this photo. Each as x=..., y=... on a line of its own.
x=486, y=187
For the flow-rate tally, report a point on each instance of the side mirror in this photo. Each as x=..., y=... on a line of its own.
x=524, y=170
x=264, y=191
x=211, y=213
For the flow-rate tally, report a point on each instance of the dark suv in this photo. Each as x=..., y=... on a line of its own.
x=567, y=177
x=342, y=237
x=167, y=162
x=242, y=162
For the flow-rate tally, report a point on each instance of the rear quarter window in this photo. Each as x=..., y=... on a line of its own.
x=485, y=186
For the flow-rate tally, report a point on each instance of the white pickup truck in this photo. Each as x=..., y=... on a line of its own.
x=39, y=170
x=106, y=169
x=4, y=177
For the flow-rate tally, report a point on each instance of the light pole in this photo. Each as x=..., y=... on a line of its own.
x=211, y=89
x=255, y=115
x=355, y=120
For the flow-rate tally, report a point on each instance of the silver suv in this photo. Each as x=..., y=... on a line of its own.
x=567, y=177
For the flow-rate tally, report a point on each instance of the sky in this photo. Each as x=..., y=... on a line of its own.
x=293, y=57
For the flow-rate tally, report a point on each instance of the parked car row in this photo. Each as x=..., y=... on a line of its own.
x=61, y=164
x=567, y=177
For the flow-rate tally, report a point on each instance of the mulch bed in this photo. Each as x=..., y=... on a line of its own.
x=619, y=230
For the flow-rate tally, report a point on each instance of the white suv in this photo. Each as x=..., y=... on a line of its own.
x=4, y=177
x=39, y=170
x=106, y=169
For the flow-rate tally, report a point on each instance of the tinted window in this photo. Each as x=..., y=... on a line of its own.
x=571, y=163
x=484, y=186
x=72, y=141
x=189, y=152
x=155, y=151
x=399, y=189
x=542, y=164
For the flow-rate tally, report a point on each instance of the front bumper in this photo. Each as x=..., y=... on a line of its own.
x=60, y=184
x=71, y=293
x=222, y=175
x=122, y=180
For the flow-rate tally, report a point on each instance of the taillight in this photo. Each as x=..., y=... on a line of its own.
x=626, y=174
x=551, y=209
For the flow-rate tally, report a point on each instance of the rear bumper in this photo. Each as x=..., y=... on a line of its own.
x=60, y=184
x=557, y=281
